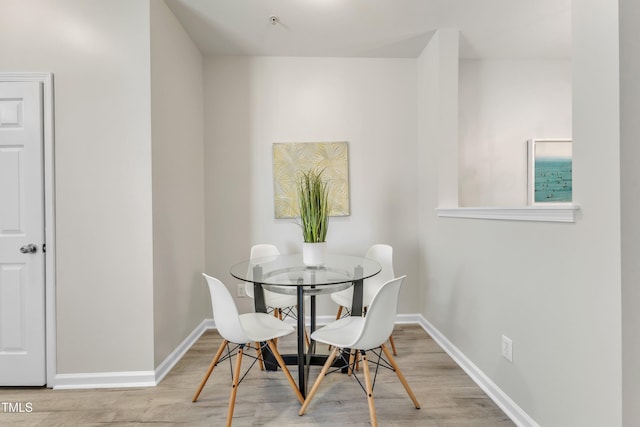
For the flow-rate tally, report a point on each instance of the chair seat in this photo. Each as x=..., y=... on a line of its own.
x=343, y=298
x=342, y=333
x=263, y=327
x=276, y=300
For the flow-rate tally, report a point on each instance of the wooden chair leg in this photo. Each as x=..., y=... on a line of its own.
x=284, y=368
x=404, y=382
x=352, y=356
x=212, y=365
x=260, y=361
x=367, y=380
x=277, y=313
x=321, y=376
x=234, y=386
x=393, y=345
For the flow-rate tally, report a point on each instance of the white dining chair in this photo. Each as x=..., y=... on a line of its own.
x=364, y=334
x=242, y=330
x=384, y=255
x=282, y=305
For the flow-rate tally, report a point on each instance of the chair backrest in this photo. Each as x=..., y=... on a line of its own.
x=225, y=312
x=259, y=251
x=263, y=250
x=384, y=255
x=381, y=317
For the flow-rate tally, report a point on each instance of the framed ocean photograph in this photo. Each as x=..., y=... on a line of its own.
x=550, y=171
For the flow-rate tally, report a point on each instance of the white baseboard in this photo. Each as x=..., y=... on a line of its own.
x=132, y=378
x=409, y=319
x=105, y=380
x=170, y=361
x=500, y=398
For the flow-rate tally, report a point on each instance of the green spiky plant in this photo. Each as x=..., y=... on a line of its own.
x=313, y=202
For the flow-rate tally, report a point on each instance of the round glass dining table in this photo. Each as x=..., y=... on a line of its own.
x=287, y=274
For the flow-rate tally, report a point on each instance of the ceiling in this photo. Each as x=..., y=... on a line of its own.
x=505, y=29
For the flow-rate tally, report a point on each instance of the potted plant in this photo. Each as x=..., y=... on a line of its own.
x=313, y=203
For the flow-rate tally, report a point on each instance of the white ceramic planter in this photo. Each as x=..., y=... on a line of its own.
x=314, y=254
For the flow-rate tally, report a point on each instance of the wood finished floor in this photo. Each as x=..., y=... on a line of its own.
x=448, y=397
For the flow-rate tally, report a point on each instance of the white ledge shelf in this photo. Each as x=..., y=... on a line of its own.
x=555, y=213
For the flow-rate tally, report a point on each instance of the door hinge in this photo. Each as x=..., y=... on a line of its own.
x=44, y=247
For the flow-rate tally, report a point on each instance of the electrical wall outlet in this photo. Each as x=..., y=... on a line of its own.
x=241, y=290
x=507, y=348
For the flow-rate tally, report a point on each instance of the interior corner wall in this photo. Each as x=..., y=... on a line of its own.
x=630, y=182
x=504, y=103
x=441, y=57
x=180, y=296
x=437, y=88
x=252, y=102
x=554, y=289
x=102, y=172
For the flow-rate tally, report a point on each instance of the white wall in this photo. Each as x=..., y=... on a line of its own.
x=503, y=103
x=554, y=289
x=102, y=171
x=180, y=295
x=252, y=102
x=630, y=202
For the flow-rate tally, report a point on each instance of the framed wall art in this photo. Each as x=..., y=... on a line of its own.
x=290, y=158
x=550, y=171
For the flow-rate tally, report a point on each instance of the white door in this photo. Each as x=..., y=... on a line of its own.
x=22, y=284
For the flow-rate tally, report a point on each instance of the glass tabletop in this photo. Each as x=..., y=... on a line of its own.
x=289, y=270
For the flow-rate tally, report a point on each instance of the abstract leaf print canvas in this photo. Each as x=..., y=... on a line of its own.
x=290, y=158
x=550, y=171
